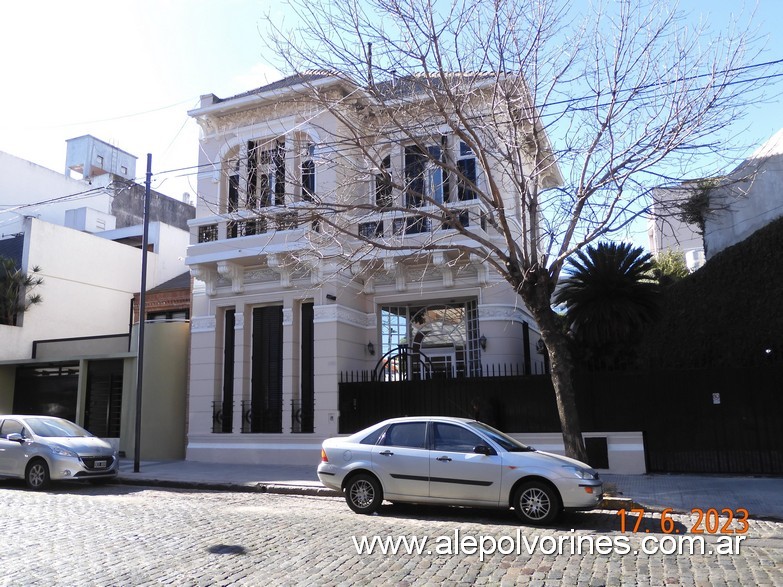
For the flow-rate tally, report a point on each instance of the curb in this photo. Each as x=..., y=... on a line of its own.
x=608, y=503
x=277, y=488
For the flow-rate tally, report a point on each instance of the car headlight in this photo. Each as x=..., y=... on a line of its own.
x=580, y=473
x=64, y=452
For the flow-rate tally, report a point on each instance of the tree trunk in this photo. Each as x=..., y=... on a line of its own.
x=562, y=367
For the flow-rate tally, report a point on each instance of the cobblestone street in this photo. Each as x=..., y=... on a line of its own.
x=120, y=535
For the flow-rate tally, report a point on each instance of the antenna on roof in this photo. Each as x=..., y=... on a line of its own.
x=369, y=65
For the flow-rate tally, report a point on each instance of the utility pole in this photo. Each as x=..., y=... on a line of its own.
x=142, y=314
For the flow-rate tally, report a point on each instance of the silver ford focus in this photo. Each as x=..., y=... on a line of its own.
x=454, y=461
x=40, y=449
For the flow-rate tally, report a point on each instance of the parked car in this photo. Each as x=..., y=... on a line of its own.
x=42, y=448
x=454, y=461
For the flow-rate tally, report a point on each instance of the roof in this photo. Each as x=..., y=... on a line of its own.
x=390, y=88
x=287, y=82
x=181, y=281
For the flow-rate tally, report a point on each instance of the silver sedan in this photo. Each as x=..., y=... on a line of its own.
x=39, y=449
x=454, y=461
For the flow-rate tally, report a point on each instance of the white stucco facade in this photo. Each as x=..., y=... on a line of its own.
x=88, y=285
x=26, y=186
x=281, y=309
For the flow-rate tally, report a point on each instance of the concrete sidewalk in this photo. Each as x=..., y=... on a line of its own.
x=761, y=496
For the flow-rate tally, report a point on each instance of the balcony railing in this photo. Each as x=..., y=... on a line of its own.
x=249, y=223
x=421, y=221
x=469, y=215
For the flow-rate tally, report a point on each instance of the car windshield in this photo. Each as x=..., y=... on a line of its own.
x=53, y=428
x=504, y=440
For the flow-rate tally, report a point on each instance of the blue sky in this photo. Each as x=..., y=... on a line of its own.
x=127, y=71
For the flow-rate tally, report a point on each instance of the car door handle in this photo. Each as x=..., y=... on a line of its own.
x=386, y=453
x=444, y=459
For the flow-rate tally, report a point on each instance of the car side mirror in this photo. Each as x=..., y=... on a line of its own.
x=483, y=449
x=15, y=437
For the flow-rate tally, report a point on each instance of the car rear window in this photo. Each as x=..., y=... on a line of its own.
x=372, y=437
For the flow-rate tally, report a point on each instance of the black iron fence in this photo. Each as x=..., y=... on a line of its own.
x=705, y=421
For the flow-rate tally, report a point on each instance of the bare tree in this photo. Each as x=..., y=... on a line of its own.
x=572, y=119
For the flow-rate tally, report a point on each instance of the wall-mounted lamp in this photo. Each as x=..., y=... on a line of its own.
x=483, y=342
x=371, y=348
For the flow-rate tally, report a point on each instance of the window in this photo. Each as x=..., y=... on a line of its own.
x=411, y=225
x=371, y=229
x=451, y=438
x=415, y=164
x=383, y=185
x=466, y=165
x=407, y=434
x=265, y=174
x=425, y=179
x=170, y=315
x=372, y=437
x=11, y=427
x=439, y=331
x=308, y=174
x=233, y=187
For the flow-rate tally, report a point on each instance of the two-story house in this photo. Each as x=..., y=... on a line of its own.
x=284, y=302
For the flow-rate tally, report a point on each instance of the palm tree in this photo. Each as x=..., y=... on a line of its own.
x=609, y=296
x=15, y=286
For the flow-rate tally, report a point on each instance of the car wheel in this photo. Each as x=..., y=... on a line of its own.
x=536, y=503
x=363, y=494
x=37, y=474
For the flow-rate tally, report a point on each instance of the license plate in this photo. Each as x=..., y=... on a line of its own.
x=100, y=464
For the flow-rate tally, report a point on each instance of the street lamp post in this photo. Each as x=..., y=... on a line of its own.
x=142, y=314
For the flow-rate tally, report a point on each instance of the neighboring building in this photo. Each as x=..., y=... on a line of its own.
x=668, y=232
x=100, y=202
x=170, y=301
x=748, y=198
x=74, y=354
x=279, y=314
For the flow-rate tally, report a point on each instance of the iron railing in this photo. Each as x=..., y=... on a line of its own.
x=222, y=416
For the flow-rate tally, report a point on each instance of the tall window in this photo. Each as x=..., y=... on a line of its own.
x=308, y=174
x=415, y=165
x=265, y=174
x=233, y=186
x=383, y=184
x=425, y=178
x=466, y=164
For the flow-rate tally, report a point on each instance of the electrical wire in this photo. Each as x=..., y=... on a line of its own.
x=342, y=145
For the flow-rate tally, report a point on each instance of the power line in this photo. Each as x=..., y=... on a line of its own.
x=642, y=90
x=342, y=145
